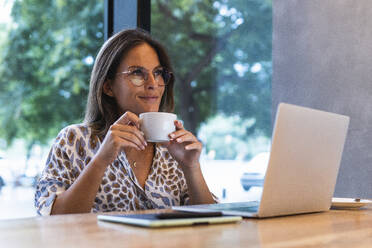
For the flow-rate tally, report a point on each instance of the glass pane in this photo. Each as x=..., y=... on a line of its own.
x=47, y=49
x=221, y=53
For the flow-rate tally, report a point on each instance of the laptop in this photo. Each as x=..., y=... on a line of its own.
x=305, y=157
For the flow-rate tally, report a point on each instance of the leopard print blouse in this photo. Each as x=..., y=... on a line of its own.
x=73, y=149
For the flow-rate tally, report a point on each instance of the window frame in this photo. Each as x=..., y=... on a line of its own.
x=137, y=14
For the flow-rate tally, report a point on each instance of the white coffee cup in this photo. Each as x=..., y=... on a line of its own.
x=157, y=125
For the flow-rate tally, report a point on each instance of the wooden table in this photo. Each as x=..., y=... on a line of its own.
x=336, y=228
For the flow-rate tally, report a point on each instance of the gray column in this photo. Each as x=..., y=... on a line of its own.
x=322, y=55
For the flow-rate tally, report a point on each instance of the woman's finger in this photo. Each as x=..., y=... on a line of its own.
x=129, y=143
x=129, y=137
x=194, y=146
x=130, y=129
x=128, y=118
x=178, y=133
x=178, y=124
x=119, y=142
x=188, y=137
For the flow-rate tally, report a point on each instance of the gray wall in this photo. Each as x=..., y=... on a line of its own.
x=322, y=55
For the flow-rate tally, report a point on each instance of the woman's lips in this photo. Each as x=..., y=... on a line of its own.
x=149, y=98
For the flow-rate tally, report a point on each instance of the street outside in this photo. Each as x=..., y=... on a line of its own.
x=17, y=202
x=224, y=175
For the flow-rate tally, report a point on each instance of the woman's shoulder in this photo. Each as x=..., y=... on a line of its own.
x=77, y=129
x=74, y=131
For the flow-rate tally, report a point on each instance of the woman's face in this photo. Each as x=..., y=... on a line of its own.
x=145, y=98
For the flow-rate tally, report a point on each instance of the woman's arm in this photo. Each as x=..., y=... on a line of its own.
x=80, y=196
x=197, y=188
x=185, y=149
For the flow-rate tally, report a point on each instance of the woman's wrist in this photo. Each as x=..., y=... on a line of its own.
x=191, y=169
x=197, y=187
x=98, y=162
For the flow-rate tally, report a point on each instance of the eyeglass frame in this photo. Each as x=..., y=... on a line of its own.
x=143, y=69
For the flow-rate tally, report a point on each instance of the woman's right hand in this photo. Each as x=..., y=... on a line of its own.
x=125, y=132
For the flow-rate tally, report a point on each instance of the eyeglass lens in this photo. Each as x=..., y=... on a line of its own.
x=139, y=76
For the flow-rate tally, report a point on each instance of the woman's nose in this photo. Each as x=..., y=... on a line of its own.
x=151, y=82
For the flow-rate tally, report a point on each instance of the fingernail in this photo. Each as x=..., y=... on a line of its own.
x=172, y=135
x=145, y=143
x=143, y=148
x=178, y=140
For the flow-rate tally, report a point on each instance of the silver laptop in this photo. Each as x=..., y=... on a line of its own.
x=305, y=157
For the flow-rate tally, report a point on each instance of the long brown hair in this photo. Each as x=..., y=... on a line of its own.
x=102, y=110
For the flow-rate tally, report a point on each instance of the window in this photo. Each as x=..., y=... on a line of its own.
x=221, y=53
x=47, y=51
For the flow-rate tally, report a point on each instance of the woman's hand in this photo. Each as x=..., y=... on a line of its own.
x=123, y=133
x=184, y=147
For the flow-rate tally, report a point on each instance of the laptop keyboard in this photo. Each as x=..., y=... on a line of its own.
x=243, y=209
x=234, y=206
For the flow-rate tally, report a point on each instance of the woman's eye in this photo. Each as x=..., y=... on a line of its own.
x=137, y=72
x=158, y=73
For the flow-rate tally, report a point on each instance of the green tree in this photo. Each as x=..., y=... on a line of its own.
x=214, y=46
x=46, y=65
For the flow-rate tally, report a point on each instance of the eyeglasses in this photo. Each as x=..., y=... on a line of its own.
x=139, y=75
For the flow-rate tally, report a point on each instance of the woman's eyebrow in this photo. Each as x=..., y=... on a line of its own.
x=135, y=66
x=138, y=66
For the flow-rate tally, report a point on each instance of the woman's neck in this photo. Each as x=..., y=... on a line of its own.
x=134, y=153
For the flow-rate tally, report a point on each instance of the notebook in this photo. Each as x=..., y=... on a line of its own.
x=153, y=220
x=305, y=157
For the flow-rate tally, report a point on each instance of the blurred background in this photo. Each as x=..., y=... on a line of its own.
x=221, y=53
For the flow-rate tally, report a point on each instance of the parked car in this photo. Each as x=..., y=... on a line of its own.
x=254, y=173
x=2, y=182
x=13, y=172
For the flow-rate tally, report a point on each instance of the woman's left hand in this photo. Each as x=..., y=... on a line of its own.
x=184, y=147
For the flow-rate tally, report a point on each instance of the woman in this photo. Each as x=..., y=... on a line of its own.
x=105, y=164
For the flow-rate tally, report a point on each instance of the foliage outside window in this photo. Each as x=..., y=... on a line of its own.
x=46, y=60
x=221, y=51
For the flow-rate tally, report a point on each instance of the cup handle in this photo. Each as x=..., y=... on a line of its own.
x=140, y=121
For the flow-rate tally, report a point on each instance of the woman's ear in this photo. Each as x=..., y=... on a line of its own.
x=107, y=88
